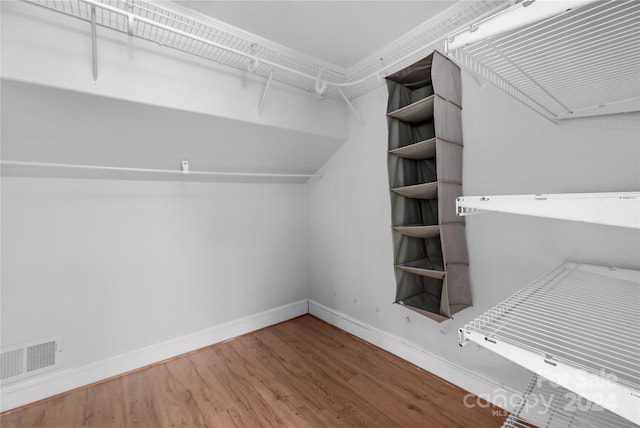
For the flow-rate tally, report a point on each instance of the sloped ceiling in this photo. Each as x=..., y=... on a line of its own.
x=43, y=124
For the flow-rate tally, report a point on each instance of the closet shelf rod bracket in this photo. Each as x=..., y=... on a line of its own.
x=351, y=107
x=264, y=91
x=94, y=46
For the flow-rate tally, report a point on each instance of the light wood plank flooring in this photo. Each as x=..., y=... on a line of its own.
x=301, y=373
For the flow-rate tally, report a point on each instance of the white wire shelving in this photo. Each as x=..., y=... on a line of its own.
x=582, y=63
x=614, y=209
x=549, y=405
x=579, y=327
x=170, y=25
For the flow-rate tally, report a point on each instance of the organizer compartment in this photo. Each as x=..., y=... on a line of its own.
x=425, y=179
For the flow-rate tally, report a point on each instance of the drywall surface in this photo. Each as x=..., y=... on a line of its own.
x=44, y=47
x=114, y=266
x=45, y=124
x=508, y=149
x=128, y=273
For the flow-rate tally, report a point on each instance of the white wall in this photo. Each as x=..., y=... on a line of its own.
x=128, y=273
x=508, y=149
x=45, y=124
x=115, y=266
x=119, y=265
x=44, y=47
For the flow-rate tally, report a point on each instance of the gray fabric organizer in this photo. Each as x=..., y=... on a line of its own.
x=425, y=176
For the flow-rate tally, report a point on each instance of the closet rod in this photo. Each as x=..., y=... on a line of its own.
x=156, y=171
x=321, y=85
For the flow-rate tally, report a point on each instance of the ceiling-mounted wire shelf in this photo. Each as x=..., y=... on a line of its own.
x=584, y=62
x=168, y=26
x=171, y=25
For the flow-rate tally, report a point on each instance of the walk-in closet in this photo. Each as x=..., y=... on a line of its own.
x=320, y=213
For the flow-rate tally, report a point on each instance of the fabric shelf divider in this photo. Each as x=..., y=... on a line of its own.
x=419, y=231
x=418, y=151
x=416, y=112
x=419, y=191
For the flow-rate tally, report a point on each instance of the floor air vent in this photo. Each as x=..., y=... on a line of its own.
x=18, y=361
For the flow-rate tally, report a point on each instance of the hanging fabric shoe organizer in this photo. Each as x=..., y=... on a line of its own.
x=425, y=176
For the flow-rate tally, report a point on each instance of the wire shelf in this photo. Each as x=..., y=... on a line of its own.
x=620, y=209
x=173, y=26
x=577, y=322
x=175, y=29
x=548, y=405
x=581, y=63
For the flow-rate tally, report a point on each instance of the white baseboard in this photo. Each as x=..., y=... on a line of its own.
x=449, y=371
x=55, y=382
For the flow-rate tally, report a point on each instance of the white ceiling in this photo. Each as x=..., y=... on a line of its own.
x=341, y=33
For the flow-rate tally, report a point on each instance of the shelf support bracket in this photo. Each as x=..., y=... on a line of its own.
x=94, y=46
x=353, y=109
x=264, y=91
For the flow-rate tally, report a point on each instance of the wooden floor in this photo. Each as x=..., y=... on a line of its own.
x=301, y=373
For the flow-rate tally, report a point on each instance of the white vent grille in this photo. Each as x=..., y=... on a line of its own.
x=26, y=359
x=41, y=356
x=11, y=363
